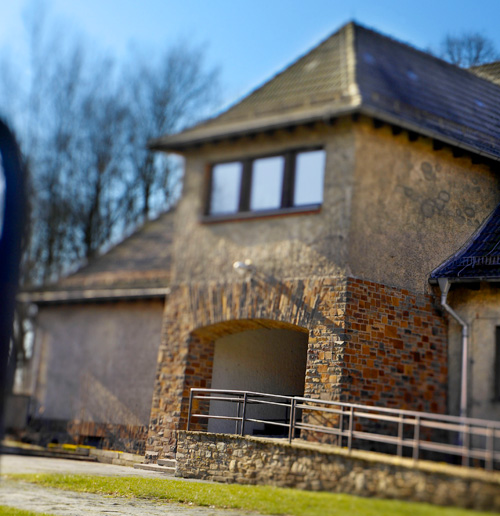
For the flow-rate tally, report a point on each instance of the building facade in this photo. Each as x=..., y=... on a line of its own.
x=343, y=182
x=339, y=188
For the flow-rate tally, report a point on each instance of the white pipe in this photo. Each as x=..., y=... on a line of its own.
x=444, y=285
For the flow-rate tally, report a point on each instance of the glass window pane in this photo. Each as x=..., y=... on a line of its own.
x=267, y=183
x=309, y=173
x=226, y=185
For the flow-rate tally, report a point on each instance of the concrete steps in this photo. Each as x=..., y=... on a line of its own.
x=166, y=466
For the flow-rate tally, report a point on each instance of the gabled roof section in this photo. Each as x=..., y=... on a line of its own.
x=479, y=258
x=416, y=90
x=139, y=266
x=490, y=71
x=359, y=70
x=318, y=83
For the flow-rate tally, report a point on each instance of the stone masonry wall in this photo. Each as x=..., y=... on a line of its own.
x=227, y=458
x=196, y=315
x=368, y=343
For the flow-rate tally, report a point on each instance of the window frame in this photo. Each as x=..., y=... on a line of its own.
x=287, y=190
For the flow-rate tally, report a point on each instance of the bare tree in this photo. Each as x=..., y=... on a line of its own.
x=468, y=49
x=83, y=124
x=166, y=95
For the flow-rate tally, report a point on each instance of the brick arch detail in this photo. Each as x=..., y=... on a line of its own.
x=200, y=357
x=223, y=328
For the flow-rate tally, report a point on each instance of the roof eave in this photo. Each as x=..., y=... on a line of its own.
x=374, y=112
x=457, y=279
x=91, y=295
x=181, y=142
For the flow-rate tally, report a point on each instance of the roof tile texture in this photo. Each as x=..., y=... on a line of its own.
x=362, y=70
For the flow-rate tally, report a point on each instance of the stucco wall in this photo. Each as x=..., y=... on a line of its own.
x=284, y=246
x=97, y=362
x=393, y=210
x=481, y=309
x=267, y=360
x=412, y=206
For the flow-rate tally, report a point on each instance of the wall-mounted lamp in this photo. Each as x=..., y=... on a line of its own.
x=244, y=267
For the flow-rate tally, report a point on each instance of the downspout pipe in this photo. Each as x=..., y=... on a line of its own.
x=444, y=285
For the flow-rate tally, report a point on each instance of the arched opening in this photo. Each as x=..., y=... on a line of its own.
x=269, y=360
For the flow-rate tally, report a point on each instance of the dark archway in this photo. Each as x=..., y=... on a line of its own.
x=250, y=355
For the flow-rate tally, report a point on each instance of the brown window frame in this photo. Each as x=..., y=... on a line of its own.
x=287, y=191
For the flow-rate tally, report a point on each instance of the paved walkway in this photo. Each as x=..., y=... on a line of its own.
x=67, y=503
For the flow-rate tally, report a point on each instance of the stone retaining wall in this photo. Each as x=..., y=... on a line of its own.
x=116, y=457
x=252, y=460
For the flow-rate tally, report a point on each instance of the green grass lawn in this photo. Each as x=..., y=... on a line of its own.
x=263, y=499
x=11, y=511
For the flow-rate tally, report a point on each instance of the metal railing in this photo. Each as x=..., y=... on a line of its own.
x=404, y=432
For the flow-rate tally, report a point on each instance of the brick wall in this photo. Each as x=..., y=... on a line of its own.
x=199, y=366
x=396, y=351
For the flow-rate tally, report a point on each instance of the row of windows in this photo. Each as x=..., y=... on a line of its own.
x=293, y=179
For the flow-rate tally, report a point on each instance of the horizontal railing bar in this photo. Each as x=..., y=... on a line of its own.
x=381, y=417
x=209, y=416
x=368, y=436
x=451, y=427
x=321, y=409
x=263, y=402
x=249, y=393
x=217, y=398
x=267, y=422
x=326, y=430
x=240, y=400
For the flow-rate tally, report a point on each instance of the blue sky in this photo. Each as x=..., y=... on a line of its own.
x=250, y=40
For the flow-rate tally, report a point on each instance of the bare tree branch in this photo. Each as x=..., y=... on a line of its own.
x=468, y=49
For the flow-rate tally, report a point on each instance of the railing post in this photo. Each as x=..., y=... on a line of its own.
x=341, y=425
x=189, y=409
x=237, y=422
x=416, y=439
x=490, y=448
x=466, y=446
x=400, y=435
x=351, y=425
x=242, y=432
x=292, y=420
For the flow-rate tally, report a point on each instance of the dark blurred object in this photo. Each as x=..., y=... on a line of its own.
x=11, y=230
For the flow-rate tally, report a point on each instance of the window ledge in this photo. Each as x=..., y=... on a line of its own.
x=261, y=214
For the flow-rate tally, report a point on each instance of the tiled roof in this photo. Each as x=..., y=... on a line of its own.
x=490, y=71
x=479, y=258
x=359, y=70
x=140, y=261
